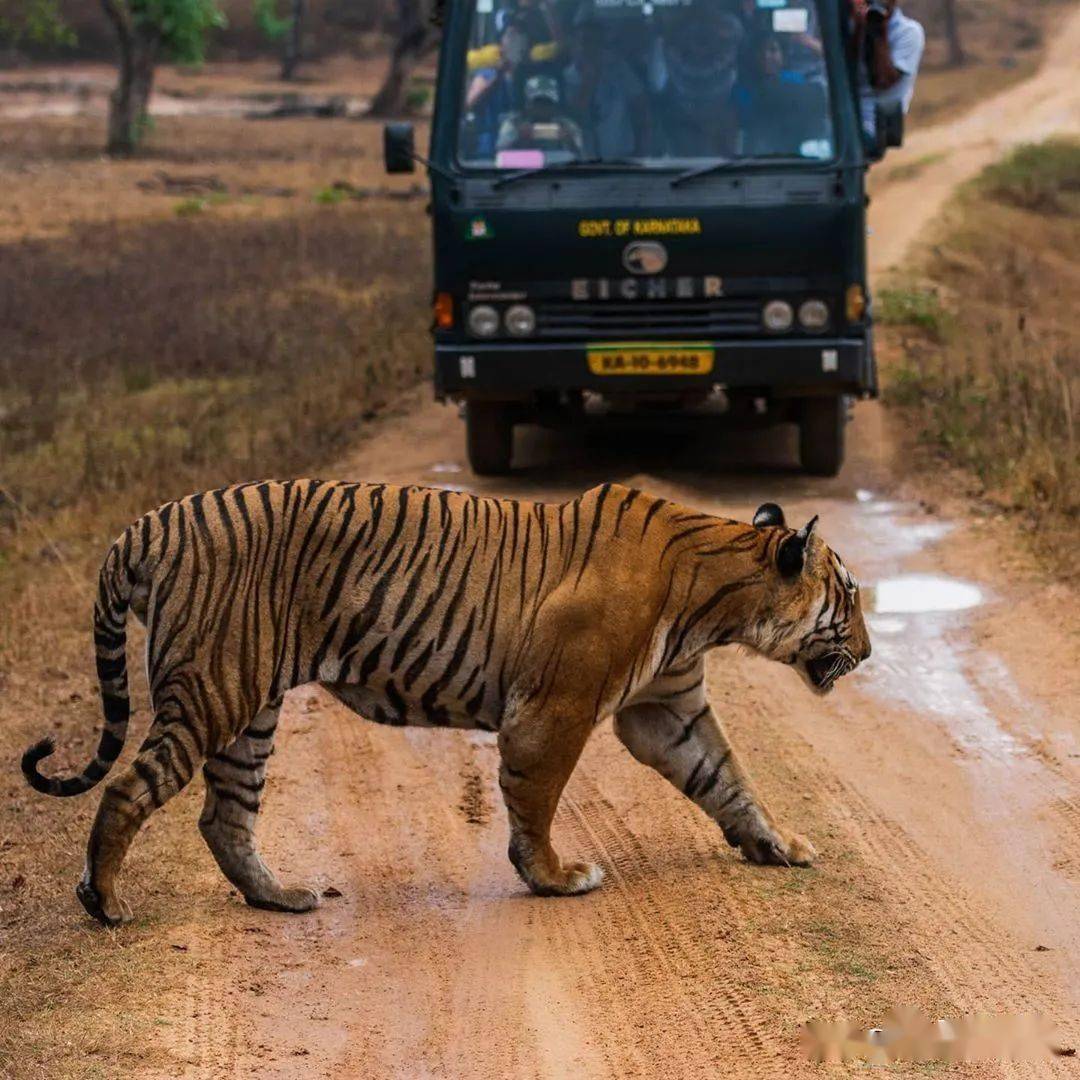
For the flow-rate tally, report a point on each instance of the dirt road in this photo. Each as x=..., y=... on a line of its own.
x=939, y=785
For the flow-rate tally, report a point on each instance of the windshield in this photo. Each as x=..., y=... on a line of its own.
x=653, y=83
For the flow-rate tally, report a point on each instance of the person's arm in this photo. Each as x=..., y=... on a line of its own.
x=884, y=74
x=478, y=89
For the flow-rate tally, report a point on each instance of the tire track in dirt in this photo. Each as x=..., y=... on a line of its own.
x=672, y=932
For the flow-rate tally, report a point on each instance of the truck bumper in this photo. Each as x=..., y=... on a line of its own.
x=514, y=371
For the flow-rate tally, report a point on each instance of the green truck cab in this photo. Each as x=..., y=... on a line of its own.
x=650, y=206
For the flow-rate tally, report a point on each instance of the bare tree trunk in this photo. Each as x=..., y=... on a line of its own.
x=140, y=46
x=293, y=42
x=415, y=37
x=952, y=35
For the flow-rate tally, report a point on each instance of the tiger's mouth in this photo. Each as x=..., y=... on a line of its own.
x=823, y=671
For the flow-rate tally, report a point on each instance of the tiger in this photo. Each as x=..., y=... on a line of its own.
x=431, y=607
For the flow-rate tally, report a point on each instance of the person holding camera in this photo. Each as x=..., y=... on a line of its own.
x=891, y=46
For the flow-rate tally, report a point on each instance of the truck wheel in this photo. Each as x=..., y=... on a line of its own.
x=489, y=437
x=821, y=434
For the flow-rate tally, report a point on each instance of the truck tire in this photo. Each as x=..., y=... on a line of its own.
x=489, y=437
x=822, y=428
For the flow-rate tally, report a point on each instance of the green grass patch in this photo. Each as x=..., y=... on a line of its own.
x=1043, y=178
x=331, y=196
x=912, y=306
x=196, y=204
x=841, y=954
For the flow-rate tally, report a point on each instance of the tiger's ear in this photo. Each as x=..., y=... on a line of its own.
x=791, y=556
x=769, y=514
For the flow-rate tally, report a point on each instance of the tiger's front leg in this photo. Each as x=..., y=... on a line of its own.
x=682, y=740
x=539, y=751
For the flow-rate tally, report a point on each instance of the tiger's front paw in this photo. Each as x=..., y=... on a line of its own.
x=571, y=879
x=108, y=910
x=777, y=849
x=547, y=875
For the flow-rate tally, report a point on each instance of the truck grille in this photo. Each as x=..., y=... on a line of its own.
x=635, y=319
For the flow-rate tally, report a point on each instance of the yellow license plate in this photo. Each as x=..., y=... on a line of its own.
x=651, y=358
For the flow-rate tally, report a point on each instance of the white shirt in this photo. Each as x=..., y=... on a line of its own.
x=907, y=40
x=906, y=44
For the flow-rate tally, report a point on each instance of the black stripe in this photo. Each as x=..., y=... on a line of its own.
x=684, y=736
x=649, y=516
x=598, y=516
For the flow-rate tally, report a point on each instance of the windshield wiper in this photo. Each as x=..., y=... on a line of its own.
x=720, y=164
x=569, y=166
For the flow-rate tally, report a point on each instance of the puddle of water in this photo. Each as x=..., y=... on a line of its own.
x=919, y=657
x=909, y=594
x=885, y=624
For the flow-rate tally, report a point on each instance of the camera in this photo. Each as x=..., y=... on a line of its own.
x=876, y=12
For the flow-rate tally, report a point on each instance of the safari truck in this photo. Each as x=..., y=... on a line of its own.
x=651, y=207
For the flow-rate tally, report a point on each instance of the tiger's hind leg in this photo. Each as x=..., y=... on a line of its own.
x=234, y=783
x=164, y=765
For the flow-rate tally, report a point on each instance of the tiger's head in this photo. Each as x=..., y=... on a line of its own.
x=813, y=616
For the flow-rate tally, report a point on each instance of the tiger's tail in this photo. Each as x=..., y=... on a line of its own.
x=115, y=585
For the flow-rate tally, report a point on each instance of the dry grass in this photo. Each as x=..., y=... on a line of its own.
x=204, y=346
x=195, y=315
x=154, y=341
x=992, y=342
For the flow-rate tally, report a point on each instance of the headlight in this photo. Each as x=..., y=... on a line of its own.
x=814, y=314
x=778, y=316
x=484, y=321
x=520, y=320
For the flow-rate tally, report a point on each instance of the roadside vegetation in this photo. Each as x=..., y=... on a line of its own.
x=189, y=318
x=991, y=344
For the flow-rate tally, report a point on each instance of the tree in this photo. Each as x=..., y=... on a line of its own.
x=294, y=40
x=416, y=35
x=147, y=30
x=37, y=21
x=290, y=29
x=952, y=35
